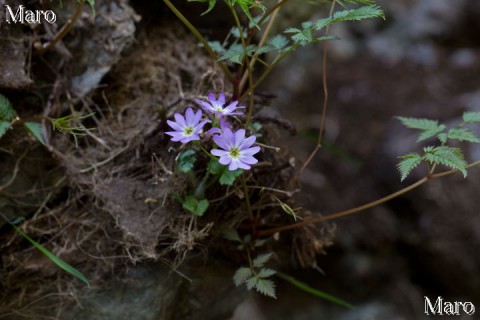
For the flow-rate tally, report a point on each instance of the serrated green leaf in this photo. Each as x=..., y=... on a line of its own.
x=251, y=283
x=6, y=110
x=186, y=160
x=266, y=287
x=471, y=117
x=216, y=46
x=246, y=5
x=35, y=128
x=429, y=127
x=4, y=126
x=59, y=262
x=447, y=156
x=409, y=162
x=259, y=261
x=228, y=177
x=362, y=13
x=266, y=272
x=278, y=42
x=241, y=276
x=211, y=5
x=462, y=134
x=236, y=53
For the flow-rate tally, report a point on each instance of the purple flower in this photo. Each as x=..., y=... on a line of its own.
x=223, y=125
x=186, y=128
x=237, y=150
x=218, y=106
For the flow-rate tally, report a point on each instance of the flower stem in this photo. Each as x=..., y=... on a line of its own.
x=200, y=38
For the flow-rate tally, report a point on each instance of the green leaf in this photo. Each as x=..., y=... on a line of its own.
x=266, y=272
x=429, y=127
x=302, y=37
x=186, y=160
x=241, y=276
x=448, y=156
x=236, y=53
x=228, y=177
x=251, y=283
x=65, y=266
x=216, y=46
x=278, y=42
x=4, y=126
x=245, y=5
x=266, y=287
x=211, y=5
x=259, y=261
x=462, y=134
x=231, y=234
x=409, y=162
x=195, y=206
x=6, y=110
x=471, y=117
x=35, y=128
x=315, y=292
x=362, y=13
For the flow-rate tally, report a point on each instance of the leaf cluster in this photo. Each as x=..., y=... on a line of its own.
x=443, y=154
x=256, y=276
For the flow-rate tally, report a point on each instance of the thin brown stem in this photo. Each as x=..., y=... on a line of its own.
x=321, y=128
x=63, y=31
x=362, y=207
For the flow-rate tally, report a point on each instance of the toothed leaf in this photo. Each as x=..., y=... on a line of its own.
x=447, y=156
x=259, y=261
x=241, y=276
x=462, y=134
x=266, y=272
x=471, y=117
x=266, y=287
x=408, y=163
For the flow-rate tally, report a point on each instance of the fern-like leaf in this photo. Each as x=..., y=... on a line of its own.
x=471, y=117
x=429, y=127
x=6, y=110
x=266, y=287
x=259, y=261
x=408, y=163
x=236, y=53
x=447, y=156
x=241, y=276
x=462, y=134
x=366, y=12
x=278, y=42
x=266, y=273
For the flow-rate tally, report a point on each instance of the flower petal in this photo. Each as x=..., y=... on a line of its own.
x=247, y=142
x=250, y=151
x=219, y=153
x=180, y=120
x=247, y=159
x=221, y=99
x=239, y=137
x=225, y=160
x=175, y=126
x=221, y=141
x=233, y=165
x=204, y=105
x=189, y=116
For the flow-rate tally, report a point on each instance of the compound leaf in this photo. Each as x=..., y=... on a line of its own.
x=462, y=134
x=429, y=127
x=266, y=272
x=448, y=156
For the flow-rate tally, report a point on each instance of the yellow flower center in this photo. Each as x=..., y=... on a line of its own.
x=234, y=153
x=188, y=131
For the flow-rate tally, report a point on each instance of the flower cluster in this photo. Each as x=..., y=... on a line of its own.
x=236, y=149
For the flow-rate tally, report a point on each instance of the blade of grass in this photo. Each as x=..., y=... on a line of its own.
x=317, y=293
x=62, y=264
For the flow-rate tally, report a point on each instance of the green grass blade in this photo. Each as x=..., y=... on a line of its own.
x=65, y=266
x=317, y=293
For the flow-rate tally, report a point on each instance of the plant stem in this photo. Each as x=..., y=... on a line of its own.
x=321, y=128
x=64, y=31
x=200, y=38
x=362, y=207
x=247, y=199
